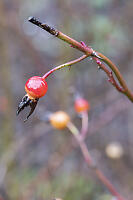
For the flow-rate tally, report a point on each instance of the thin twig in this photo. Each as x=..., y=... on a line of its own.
x=65, y=65
x=88, y=51
x=90, y=162
x=109, y=74
x=84, y=129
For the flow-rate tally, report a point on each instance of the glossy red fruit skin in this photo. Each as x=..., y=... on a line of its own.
x=81, y=105
x=36, y=87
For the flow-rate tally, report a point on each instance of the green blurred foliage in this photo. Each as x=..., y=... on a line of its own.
x=72, y=186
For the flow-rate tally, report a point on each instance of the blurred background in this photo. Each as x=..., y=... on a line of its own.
x=36, y=161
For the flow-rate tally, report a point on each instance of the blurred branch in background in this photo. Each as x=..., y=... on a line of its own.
x=58, y=157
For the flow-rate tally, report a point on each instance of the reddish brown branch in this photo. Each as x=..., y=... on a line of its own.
x=68, y=64
x=109, y=74
x=89, y=52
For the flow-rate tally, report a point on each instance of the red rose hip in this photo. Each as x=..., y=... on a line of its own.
x=36, y=87
x=81, y=105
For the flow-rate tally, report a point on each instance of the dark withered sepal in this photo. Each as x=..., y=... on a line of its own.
x=33, y=105
x=26, y=101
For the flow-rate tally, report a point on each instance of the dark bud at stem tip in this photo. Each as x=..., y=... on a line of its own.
x=43, y=26
x=30, y=18
x=34, y=21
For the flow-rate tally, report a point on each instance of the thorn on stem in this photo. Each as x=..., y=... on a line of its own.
x=71, y=46
x=98, y=62
x=83, y=44
x=110, y=81
x=111, y=74
x=70, y=67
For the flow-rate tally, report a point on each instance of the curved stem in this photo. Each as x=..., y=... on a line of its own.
x=65, y=65
x=84, y=129
x=110, y=75
x=88, y=51
x=119, y=76
x=73, y=129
